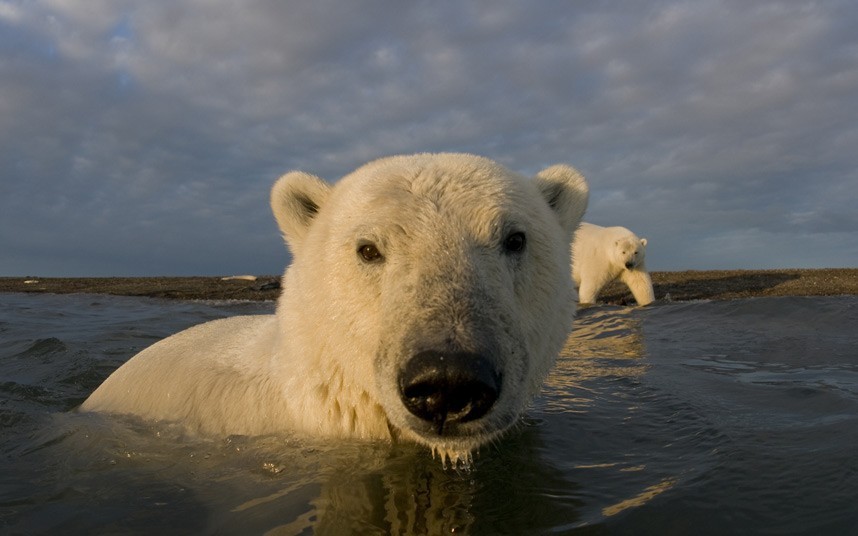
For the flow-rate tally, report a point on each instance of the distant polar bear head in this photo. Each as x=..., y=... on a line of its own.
x=434, y=286
x=630, y=251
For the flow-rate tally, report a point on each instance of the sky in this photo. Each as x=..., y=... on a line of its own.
x=142, y=138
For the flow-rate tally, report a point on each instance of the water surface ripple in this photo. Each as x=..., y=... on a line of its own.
x=678, y=418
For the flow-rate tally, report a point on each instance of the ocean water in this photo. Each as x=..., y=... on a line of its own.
x=734, y=417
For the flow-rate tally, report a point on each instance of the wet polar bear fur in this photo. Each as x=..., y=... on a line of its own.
x=427, y=299
x=601, y=255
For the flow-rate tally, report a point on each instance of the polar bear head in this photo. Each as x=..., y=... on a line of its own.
x=630, y=251
x=433, y=287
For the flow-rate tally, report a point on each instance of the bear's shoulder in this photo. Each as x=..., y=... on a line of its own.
x=610, y=234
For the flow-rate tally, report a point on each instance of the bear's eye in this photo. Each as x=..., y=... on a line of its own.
x=370, y=253
x=515, y=242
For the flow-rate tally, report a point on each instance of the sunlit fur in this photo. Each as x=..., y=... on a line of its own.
x=327, y=363
x=601, y=255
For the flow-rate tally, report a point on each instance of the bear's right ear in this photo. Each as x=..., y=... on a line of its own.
x=296, y=199
x=643, y=241
x=566, y=192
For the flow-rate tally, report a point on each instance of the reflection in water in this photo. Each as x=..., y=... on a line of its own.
x=409, y=493
x=639, y=500
x=606, y=343
x=608, y=331
x=121, y=476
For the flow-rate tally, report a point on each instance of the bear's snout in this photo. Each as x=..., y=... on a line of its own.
x=630, y=264
x=446, y=388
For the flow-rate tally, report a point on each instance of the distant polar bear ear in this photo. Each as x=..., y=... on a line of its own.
x=643, y=241
x=296, y=199
x=566, y=191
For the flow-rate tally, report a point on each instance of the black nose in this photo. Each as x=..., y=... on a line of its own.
x=630, y=265
x=444, y=388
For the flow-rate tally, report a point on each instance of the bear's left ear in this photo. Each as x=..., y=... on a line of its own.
x=295, y=200
x=643, y=241
x=566, y=192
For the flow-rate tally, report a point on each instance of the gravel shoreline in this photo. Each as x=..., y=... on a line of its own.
x=675, y=286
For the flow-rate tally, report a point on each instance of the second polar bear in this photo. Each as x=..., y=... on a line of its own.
x=427, y=299
x=601, y=255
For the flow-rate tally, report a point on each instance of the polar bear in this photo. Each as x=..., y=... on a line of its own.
x=427, y=299
x=601, y=255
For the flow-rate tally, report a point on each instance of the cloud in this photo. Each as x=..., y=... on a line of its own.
x=142, y=138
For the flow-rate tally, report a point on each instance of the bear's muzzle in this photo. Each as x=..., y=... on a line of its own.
x=445, y=388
